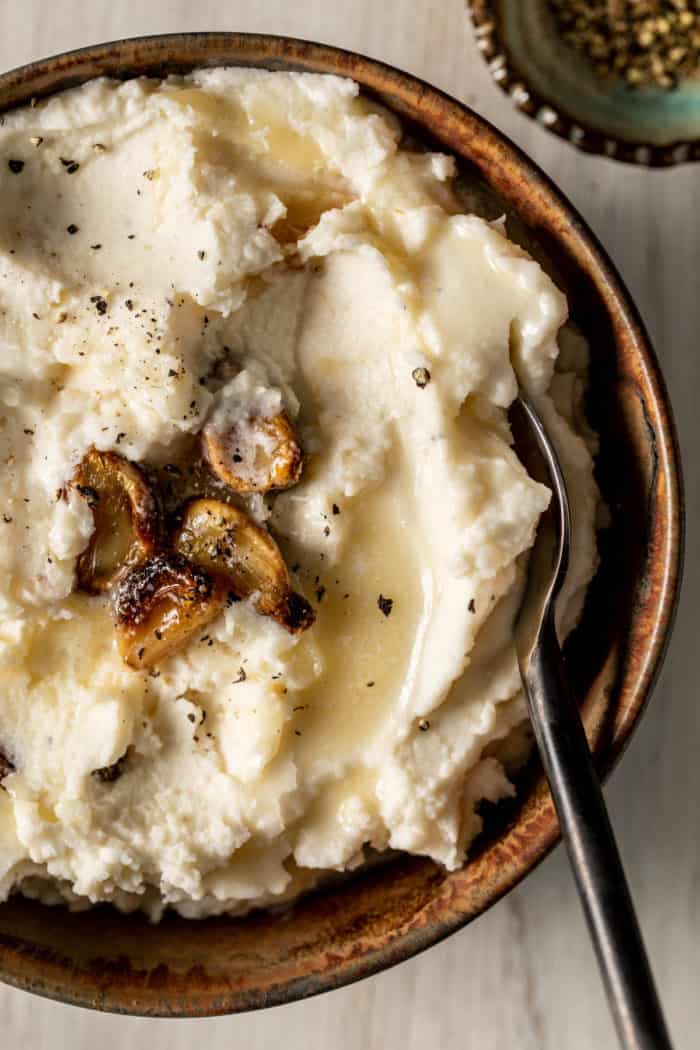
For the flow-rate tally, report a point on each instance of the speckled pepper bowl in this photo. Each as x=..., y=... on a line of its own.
x=109, y=961
x=549, y=81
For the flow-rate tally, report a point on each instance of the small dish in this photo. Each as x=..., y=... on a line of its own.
x=550, y=82
x=365, y=923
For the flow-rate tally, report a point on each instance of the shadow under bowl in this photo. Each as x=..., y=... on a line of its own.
x=552, y=83
x=109, y=961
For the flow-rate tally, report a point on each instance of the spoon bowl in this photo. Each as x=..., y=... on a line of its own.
x=548, y=560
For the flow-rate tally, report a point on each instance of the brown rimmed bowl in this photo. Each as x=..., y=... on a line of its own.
x=181, y=968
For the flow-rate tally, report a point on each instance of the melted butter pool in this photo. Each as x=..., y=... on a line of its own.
x=366, y=653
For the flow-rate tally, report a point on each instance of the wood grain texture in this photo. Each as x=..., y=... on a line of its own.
x=522, y=977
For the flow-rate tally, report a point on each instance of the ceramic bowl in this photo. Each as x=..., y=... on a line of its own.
x=549, y=81
x=109, y=961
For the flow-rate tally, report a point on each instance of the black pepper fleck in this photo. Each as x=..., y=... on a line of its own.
x=6, y=766
x=108, y=774
x=89, y=494
x=72, y=228
x=421, y=377
x=385, y=604
x=15, y=166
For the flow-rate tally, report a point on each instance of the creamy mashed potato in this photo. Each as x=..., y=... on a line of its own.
x=171, y=253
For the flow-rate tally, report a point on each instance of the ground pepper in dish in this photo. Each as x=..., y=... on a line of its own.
x=647, y=43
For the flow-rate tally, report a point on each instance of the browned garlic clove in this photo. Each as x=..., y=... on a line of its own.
x=125, y=514
x=225, y=541
x=256, y=454
x=161, y=604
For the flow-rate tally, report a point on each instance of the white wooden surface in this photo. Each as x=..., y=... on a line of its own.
x=523, y=977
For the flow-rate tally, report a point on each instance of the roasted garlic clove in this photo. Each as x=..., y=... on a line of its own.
x=161, y=604
x=294, y=613
x=126, y=519
x=225, y=541
x=256, y=454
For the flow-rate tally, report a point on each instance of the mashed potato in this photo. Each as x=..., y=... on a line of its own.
x=171, y=252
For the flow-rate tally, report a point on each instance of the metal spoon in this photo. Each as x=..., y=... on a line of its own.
x=561, y=739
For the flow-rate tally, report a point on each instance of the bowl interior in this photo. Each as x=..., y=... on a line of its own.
x=359, y=925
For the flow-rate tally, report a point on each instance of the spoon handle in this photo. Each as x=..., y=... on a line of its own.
x=593, y=852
